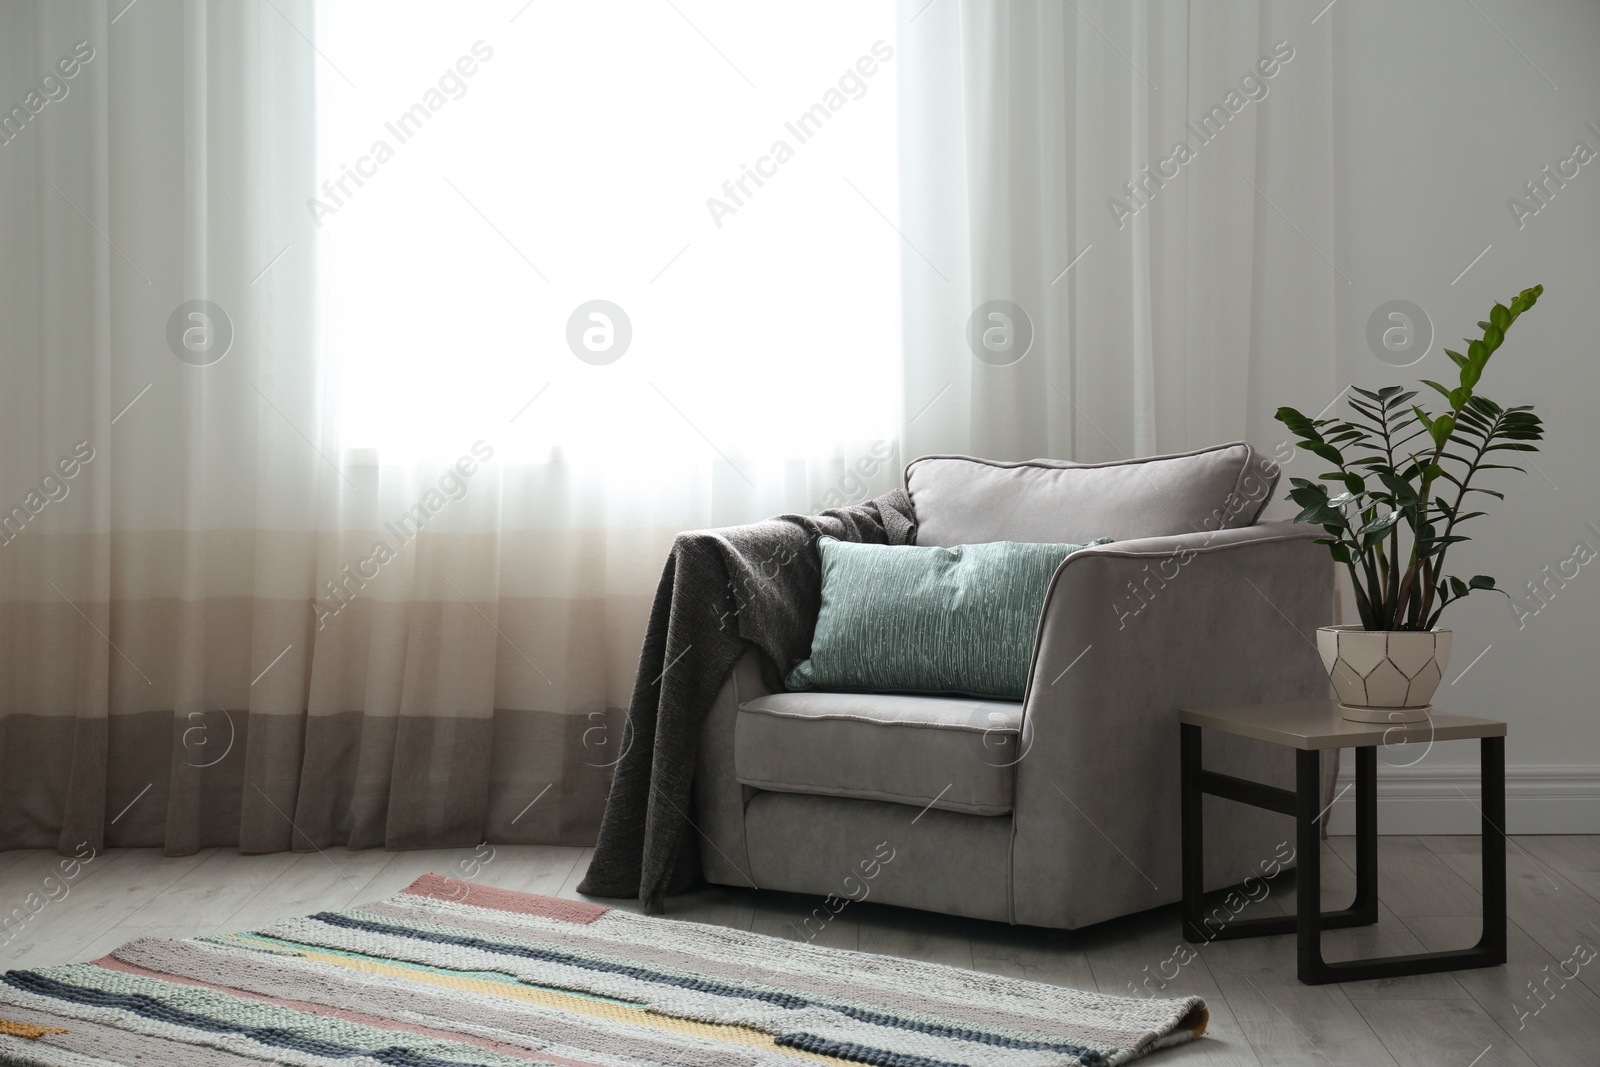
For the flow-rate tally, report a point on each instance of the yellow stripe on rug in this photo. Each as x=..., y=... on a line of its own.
x=27, y=1030
x=611, y=1011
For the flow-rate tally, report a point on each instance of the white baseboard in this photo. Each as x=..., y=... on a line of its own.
x=1427, y=799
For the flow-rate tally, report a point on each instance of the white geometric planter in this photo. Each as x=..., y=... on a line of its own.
x=1384, y=675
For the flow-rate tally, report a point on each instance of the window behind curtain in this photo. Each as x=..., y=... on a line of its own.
x=724, y=173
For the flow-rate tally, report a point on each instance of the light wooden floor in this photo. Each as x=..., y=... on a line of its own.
x=1260, y=1014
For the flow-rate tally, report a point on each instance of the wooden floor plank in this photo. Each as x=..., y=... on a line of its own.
x=112, y=887
x=806, y=918
x=914, y=935
x=1558, y=1024
x=1412, y=879
x=406, y=866
x=1574, y=858
x=733, y=907
x=540, y=869
x=212, y=891
x=1555, y=912
x=1056, y=957
x=1290, y=1023
x=310, y=884
x=569, y=886
x=1423, y=1033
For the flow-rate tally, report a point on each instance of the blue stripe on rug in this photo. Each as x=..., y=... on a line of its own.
x=150, y=1008
x=1090, y=1057
x=877, y=1057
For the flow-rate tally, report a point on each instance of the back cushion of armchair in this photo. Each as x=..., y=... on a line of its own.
x=963, y=501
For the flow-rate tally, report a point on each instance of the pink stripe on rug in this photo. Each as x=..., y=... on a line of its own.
x=111, y=963
x=438, y=887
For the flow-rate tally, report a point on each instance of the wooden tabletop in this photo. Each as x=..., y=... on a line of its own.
x=1318, y=724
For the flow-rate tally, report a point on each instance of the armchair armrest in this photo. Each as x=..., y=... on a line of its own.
x=1130, y=632
x=719, y=798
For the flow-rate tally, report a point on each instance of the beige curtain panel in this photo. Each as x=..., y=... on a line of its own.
x=314, y=528
x=216, y=627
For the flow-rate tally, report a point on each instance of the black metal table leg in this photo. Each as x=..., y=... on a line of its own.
x=1365, y=903
x=1193, y=831
x=1308, y=860
x=1492, y=757
x=1196, y=782
x=1490, y=950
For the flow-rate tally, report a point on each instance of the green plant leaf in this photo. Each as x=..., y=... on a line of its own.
x=1440, y=431
x=1402, y=489
x=1434, y=545
x=1441, y=390
x=1398, y=398
x=1297, y=423
x=1380, y=524
x=1324, y=450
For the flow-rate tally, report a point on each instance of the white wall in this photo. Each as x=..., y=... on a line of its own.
x=1437, y=122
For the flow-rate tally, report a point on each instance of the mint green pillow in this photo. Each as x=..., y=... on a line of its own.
x=918, y=619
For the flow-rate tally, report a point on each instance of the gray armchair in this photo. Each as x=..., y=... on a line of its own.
x=1060, y=810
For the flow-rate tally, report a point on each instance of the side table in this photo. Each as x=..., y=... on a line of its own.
x=1308, y=727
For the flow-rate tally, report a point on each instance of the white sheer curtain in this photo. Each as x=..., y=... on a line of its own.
x=357, y=547
x=641, y=253
x=1173, y=312
x=548, y=156
x=159, y=404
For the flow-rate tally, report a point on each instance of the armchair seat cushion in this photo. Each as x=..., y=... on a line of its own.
x=953, y=753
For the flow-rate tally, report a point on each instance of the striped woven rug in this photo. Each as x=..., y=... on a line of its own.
x=451, y=973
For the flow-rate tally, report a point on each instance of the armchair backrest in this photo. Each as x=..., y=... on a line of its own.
x=960, y=500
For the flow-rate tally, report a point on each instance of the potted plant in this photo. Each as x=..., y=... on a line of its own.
x=1400, y=490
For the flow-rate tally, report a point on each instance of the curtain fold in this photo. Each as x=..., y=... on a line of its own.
x=159, y=384
x=1145, y=189
x=314, y=528
x=1119, y=227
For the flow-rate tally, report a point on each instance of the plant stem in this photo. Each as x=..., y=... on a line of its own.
x=1363, y=604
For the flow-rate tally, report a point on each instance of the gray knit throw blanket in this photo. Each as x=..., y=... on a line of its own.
x=721, y=591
